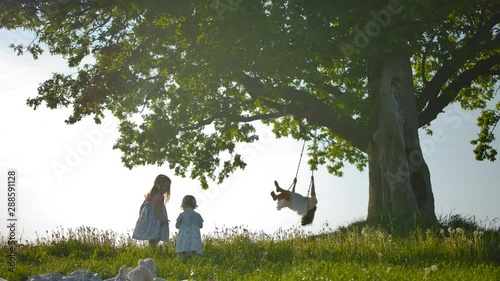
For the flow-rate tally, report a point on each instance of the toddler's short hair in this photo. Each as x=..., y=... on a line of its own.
x=189, y=201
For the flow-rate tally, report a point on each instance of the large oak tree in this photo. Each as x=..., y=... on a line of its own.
x=187, y=78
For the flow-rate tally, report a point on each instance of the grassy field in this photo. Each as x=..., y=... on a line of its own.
x=458, y=249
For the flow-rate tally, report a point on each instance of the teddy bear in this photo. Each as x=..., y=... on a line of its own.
x=150, y=264
x=142, y=272
x=145, y=271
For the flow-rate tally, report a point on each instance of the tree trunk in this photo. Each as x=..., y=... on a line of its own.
x=400, y=186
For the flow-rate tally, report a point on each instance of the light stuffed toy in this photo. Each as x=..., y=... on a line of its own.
x=145, y=271
x=150, y=264
x=142, y=272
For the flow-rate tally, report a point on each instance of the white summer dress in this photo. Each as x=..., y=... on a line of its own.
x=298, y=203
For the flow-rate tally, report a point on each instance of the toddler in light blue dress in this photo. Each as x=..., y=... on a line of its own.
x=189, y=223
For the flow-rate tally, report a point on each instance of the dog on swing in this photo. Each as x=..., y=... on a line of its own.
x=305, y=206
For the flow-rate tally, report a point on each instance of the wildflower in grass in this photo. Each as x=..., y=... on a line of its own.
x=264, y=255
x=441, y=231
x=434, y=267
x=451, y=230
x=459, y=230
x=379, y=254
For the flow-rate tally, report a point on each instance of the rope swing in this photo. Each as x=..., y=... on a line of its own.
x=305, y=206
x=294, y=183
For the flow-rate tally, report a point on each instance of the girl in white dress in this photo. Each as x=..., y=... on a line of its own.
x=152, y=224
x=189, y=223
x=304, y=206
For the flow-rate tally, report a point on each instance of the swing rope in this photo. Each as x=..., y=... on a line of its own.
x=298, y=166
x=310, y=183
x=316, y=165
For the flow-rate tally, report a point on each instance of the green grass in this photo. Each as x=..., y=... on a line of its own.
x=457, y=249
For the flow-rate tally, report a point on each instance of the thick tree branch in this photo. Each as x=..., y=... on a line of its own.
x=491, y=45
x=334, y=91
x=302, y=103
x=458, y=58
x=436, y=106
x=231, y=118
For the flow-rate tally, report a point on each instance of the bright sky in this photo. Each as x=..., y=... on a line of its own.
x=69, y=175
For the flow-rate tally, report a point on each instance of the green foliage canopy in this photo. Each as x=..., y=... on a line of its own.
x=187, y=78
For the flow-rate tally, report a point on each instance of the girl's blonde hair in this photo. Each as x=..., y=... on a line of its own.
x=189, y=202
x=160, y=181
